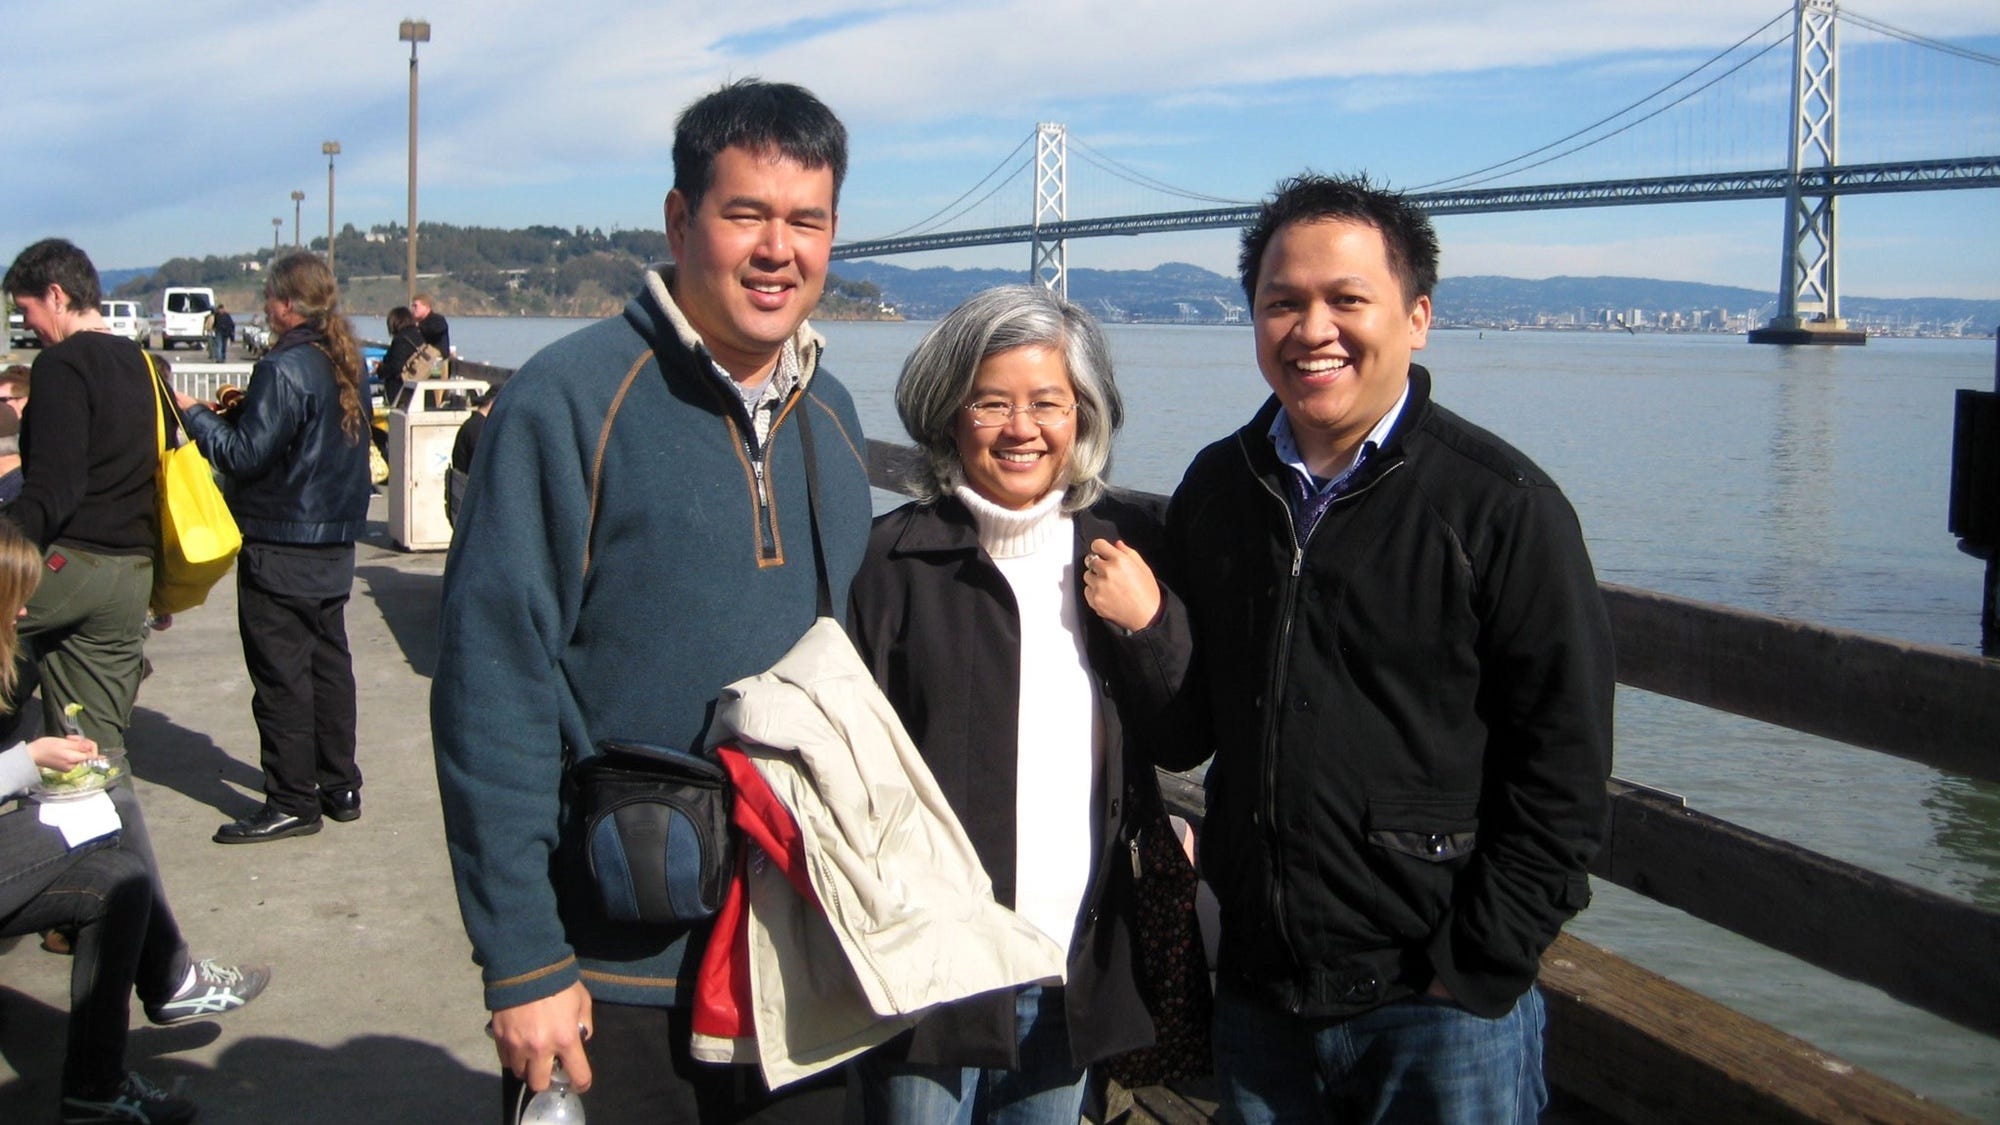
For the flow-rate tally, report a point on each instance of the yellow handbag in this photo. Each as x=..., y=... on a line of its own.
x=198, y=536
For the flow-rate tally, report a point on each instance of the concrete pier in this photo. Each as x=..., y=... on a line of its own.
x=374, y=1013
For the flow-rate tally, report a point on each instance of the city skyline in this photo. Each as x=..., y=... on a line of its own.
x=190, y=141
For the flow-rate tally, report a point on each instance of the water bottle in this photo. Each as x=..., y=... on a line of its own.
x=557, y=1105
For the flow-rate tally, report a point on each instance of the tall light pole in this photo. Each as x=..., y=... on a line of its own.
x=331, y=149
x=413, y=32
x=277, y=224
x=298, y=197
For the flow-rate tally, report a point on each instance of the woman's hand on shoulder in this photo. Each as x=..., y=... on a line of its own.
x=1119, y=586
x=61, y=752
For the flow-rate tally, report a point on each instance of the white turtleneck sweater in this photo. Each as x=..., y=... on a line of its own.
x=1061, y=740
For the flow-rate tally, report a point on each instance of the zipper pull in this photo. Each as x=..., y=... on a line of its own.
x=1136, y=873
x=764, y=497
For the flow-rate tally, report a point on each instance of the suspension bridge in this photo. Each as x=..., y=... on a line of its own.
x=1806, y=170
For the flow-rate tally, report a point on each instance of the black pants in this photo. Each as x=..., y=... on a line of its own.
x=641, y=1074
x=107, y=892
x=291, y=607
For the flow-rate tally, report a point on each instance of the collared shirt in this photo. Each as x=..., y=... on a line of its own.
x=1311, y=495
x=763, y=400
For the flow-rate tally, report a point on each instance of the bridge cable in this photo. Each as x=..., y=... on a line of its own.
x=1725, y=53
x=1133, y=176
x=1913, y=38
x=969, y=191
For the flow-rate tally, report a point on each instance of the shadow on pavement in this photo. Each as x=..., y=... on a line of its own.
x=190, y=763
x=383, y=1079
x=31, y=1043
x=408, y=602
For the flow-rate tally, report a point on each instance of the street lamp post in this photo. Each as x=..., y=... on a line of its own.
x=277, y=224
x=298, y=197
x=331, y=149
x=413, y=32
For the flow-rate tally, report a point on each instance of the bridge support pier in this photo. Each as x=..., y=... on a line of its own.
x=1050, y=265
x=1808, y=293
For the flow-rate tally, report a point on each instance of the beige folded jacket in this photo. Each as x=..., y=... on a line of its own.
x=908, y=919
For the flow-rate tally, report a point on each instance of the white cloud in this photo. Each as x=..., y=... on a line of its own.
x=146, y=136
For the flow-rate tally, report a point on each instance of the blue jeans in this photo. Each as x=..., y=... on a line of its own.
x=1046, y=1090
x=1420, y=1061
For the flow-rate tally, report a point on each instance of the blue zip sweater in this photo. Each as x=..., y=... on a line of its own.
x=692, y=583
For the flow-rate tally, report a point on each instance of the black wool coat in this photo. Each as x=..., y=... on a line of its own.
x=936, y=622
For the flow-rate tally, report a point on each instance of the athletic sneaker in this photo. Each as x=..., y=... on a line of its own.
x=211, y=988
x=136, y=1102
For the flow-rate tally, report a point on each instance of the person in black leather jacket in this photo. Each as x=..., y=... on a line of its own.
x=294, y=457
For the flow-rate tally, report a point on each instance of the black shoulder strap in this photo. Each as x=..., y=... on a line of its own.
x=825, y=603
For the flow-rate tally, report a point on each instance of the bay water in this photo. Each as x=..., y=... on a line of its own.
x=1804, y=482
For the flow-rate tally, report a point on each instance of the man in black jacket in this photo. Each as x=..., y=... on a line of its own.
x=1409, y=671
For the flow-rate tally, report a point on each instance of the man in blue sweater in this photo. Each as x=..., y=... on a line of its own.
x=635, y=535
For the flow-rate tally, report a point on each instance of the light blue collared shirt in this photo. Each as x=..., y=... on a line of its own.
x=1287, y=446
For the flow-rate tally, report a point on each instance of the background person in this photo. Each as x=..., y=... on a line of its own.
x=102, y=893
x=222, y=329
x=436, y=330
x=1409, y=673
x=462, y=446
x=1012, y=620
x=13, y=400
x=564, y=623
x=89, y=453
x=294, y=456
x=404, y=340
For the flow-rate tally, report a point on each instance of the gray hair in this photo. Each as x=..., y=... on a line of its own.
x=939, y=374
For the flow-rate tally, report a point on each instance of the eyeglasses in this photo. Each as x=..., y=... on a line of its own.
x=993, y=412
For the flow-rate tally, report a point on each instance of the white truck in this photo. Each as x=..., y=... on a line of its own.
x=18, y=335
x=183, y=316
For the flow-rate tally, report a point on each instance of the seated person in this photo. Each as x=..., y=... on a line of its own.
x=106, y=892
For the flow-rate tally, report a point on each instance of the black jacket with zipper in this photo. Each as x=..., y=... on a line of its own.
x=1411, y=715
x=937, y=624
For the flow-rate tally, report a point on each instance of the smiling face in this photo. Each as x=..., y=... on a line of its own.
x=1334, y=333
x=1015, y=464
x=750, y=259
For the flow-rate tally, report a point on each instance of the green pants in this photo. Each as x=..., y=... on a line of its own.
x=86, y=632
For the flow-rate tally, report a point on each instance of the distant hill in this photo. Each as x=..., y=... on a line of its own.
x=1179, y=291
x=1156, y=294
x=549, y=271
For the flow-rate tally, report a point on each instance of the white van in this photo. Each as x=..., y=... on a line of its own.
x=184, y=316
x=125, y=319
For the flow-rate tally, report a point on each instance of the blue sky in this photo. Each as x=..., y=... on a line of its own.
x=145, y=133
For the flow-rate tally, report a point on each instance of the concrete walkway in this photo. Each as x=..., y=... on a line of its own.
x=374, y=1013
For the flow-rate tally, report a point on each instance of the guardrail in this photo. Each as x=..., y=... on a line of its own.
x=201, y=380
x=1641, y=1048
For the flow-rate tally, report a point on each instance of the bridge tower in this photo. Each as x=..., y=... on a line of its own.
x=1808, y=289
x=1049, y=264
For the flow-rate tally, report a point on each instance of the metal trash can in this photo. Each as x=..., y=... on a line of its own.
x=423, y=423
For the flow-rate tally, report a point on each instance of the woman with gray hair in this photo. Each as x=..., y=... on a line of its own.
x=1010, y=616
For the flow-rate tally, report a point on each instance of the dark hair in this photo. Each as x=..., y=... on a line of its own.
x=55, y=261
x=1309, y=197
x=304, y=279
x=762, y=117
x=400, y=318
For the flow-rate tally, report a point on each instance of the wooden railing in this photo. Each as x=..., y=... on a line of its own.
x=1643, y=1049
